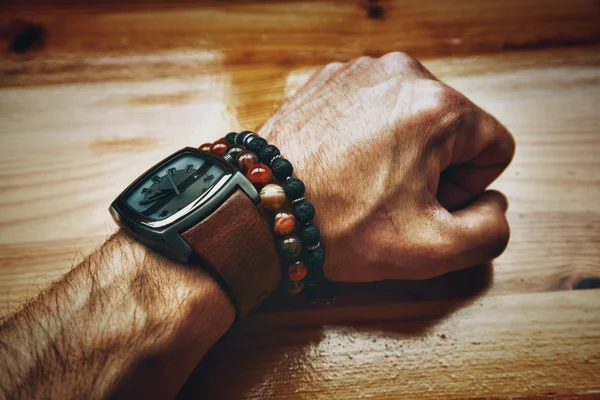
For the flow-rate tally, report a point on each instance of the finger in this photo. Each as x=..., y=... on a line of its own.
x=473, y=235
x=481, y=152
x=460, y=184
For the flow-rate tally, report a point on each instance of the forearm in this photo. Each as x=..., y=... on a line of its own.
x=124, y=319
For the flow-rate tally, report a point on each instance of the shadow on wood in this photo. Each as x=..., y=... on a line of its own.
x=388, y=311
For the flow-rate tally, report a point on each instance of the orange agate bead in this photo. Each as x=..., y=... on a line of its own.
x=272, y=197
x=284, y=223
x=259, y=175
x=297, y=272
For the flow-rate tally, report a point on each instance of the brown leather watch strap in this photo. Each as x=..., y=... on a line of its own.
x=237, y=243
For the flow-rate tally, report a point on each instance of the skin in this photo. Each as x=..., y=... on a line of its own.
x=396, y=162
x=397, y=165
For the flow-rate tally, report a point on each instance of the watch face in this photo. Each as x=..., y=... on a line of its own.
x=176, y=184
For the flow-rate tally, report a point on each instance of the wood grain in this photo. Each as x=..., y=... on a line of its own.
x=498, y=346
x=98, y=41
x=92, y=93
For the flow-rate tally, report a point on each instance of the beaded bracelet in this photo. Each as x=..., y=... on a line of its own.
x=302, y=255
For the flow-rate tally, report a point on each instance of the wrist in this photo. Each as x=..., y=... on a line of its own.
x=124, y=320
x=183, y=299
x=184, y=312
x=160, y=317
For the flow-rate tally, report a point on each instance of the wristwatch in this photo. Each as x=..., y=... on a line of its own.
x=195, y=207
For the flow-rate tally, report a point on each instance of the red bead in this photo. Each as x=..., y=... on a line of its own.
x=220, y=147
x=206, y=146
x=284, y=223
x=297, y=272
x=246, y=159
x=259, y=175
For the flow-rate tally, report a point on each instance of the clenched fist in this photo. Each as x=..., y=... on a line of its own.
x=397, y=164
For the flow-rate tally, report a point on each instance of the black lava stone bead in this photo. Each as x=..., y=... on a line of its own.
x=304, y=212
x=266, y=154
x=310, y=235
x=282, y=168
x=256, y=144
x=315, y=258
x=314, y=275
x=293, y=188
x=239, y=139
x=234, y=151
x=230, y=137
x=247, y=137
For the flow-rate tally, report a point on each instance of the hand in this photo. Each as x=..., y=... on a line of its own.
x=397, y=165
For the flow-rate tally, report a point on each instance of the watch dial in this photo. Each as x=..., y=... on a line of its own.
x=174, y=186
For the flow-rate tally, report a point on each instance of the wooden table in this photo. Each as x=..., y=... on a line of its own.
x=93, y=93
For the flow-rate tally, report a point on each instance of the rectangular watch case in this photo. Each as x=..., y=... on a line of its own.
x=165, y=236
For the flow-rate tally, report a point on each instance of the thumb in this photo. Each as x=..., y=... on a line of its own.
x=477, y=233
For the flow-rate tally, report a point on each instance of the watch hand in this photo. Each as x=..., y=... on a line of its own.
x=187, y=182
x=173, y=183
x=190, y=180
x=163, y=193
x=160, y=204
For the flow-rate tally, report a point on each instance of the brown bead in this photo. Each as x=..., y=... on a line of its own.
x=284, y=223
x=297, y=272
x=246, y=159
x=295, y=287
x=272, y=197
x=205, y=146
x=290, y=246
x=220, y=147
x=259, y=175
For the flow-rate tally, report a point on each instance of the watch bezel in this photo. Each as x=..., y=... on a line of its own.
x=165, y=235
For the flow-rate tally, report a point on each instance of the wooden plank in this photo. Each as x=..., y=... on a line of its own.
x=91, y=93
x=96, y=41
x=66, y=151
x=502, y=346
x=98, y=91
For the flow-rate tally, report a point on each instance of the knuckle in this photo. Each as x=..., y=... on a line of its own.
x=396, y=57
x=333, y=66
x=445, y=106
x=354, y=66
x=326, y=72
x=360, y=61
x=399, y=59
x=447, y=98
